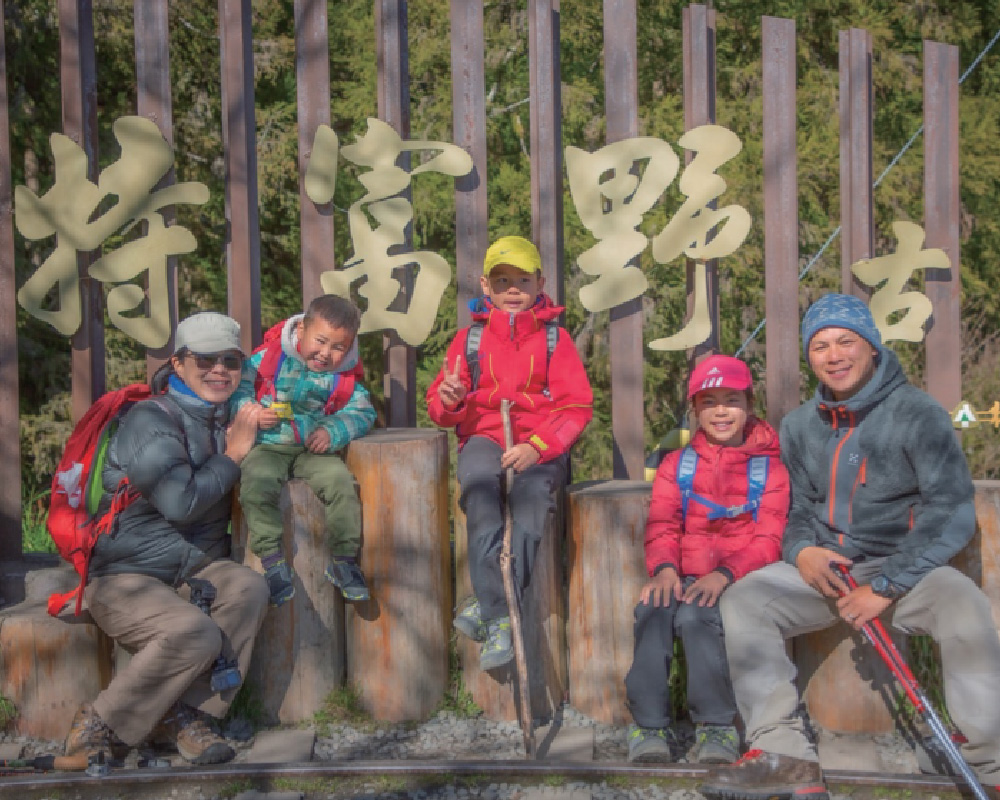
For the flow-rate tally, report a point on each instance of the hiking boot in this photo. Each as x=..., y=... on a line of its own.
x=89, y=735
x=716, y=744
x=190, y=731
x=348, y=577
x=498, y=649
x=649, y=744
x=762, y=776
x=470, y=621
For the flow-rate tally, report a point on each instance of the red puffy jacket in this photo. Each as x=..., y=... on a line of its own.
x=697, y=545
x=551, y=403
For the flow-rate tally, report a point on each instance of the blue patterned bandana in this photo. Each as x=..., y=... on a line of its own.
x=840, y=311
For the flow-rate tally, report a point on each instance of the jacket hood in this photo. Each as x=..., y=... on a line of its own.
x=759, y=439
x=888, y=376
x=290, y=344
x=543, y=309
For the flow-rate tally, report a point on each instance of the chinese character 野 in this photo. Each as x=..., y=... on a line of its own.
x=66, y=211
x=372, y=263
x=895, y=270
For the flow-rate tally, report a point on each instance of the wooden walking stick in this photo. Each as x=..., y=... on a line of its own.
x=513, y=603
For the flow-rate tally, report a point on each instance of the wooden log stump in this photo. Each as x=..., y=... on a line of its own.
x=980, y=559
x=298, y=657
x=607, y=522
x=50, y=666
x=543, y=622
x=397, y=642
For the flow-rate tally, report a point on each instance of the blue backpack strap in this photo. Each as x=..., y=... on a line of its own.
x=472, y=340
x=756, y=481
x=685, y=476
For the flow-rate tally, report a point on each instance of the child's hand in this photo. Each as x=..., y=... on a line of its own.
x=318, y=441
x=268, y=418
x=520, y=457
x=707, y=589
x=658, y=591
x=451, y=390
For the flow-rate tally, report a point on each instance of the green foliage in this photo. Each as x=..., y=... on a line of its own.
x=458, y=699
x=343, y=707
x=34, y=514
x=8, y=712
x=247, y=705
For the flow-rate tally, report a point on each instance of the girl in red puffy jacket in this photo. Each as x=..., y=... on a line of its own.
x=718, y=511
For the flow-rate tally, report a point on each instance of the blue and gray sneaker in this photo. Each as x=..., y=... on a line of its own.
x=716, y=744
x=348, y=577
x=469, y=620
x=498, y=650
x=649, y=744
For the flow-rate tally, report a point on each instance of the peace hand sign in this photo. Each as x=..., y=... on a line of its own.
x=452, y=390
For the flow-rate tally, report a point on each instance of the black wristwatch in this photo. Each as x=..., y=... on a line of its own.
x=883, y=587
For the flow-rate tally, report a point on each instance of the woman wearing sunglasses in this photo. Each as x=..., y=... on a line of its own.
x=180, y=454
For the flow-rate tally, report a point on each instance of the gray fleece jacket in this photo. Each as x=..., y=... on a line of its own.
x=880, y=474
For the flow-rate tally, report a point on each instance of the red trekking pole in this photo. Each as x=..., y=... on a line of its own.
x=875, y=632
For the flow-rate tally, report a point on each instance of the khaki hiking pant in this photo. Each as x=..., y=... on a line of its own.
x=173, y=643
x=773, y=604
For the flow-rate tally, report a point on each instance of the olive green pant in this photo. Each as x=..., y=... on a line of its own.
x=266, y=470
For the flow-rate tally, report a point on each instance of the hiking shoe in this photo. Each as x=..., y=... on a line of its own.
x=498, y=649
x=470, y=621
x=716, y=744
x=762, y=776
x=279, y=577
x=649, y=744
x=90, y=735
x=348, y=577
x=196, y=741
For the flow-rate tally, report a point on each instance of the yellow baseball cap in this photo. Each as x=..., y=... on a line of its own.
x=514, y=250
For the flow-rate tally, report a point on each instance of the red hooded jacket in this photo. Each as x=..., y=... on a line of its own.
x=551, y=403
x=737, y=546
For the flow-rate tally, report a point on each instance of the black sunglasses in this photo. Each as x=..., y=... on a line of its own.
x=209, y=360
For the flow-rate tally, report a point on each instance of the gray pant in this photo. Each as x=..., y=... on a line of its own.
x=173, y=643
x=709, y=690
x=773, y=604
x=532, y=502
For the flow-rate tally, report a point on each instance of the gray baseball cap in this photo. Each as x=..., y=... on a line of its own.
x=208, y=332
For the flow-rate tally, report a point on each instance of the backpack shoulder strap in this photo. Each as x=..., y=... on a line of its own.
x=343, y=388
x=267, y=370
x=472, y=341
x=551, y=338
x=686, y=467
x=757, y=468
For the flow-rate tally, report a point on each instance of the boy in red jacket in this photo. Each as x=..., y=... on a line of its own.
x=518, y=353
x=718, y=511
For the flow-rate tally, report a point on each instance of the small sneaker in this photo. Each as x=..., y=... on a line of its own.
x=762, y=776
x=716, y=744
x=190, y=731
x=649, y=744
x=498, y=650
x=348, y=577
x=89, y=735
x=470, y=621
x=279, y=576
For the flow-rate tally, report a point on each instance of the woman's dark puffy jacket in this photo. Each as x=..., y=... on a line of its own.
x=174, y=458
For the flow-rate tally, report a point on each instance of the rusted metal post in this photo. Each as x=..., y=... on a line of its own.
x=698, y=22
x=10, y=434
x=781, y=218
x=546, y=142
x=857, y=238
x=239, y=144
x=400, y=382
x=943, y=368
x=468, y=76
x=312, y=92
x=621, y=93
x=153, y=101
x=79, y=120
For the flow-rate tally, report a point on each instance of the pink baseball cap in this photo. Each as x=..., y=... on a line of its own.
x=720, y=372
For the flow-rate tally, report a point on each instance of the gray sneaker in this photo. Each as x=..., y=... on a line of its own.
x=716, y=744
x=348, y=577
x=470, y=620
x=498, y=650
x=649, y=744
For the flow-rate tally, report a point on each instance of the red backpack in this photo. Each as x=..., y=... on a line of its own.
x=77, y=489
x=274, y=357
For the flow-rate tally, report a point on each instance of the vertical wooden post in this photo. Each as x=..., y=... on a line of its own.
x=857, y=238
x=10, y=433
x=239, y=142
x=943, y=370
x=781, y=219
x=546, y=142
x=79, y=119
x=312, y=93
x=621, y=79
x=699, y=109
x=153, y=101
x=468, y=76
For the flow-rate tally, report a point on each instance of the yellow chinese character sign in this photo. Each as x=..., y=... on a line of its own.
x=378, y=150
x=68, y=210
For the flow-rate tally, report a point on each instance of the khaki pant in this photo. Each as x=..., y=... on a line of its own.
x=773, y=604
x=173, y=643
